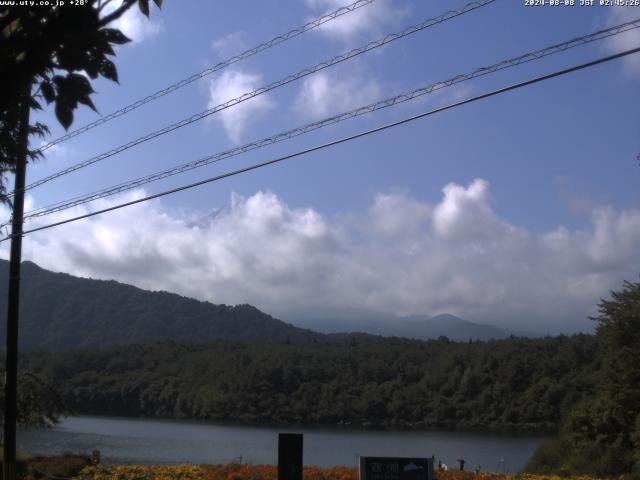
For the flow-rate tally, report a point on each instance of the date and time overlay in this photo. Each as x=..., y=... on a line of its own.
x=526, y=3
x=581, y=3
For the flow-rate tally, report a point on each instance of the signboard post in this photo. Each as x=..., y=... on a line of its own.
x=290, y=456
x=396, y=468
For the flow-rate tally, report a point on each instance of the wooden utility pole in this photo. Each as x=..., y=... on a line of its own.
x=11, y=362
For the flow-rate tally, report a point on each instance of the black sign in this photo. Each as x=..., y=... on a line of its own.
x=396, y=468
x=290, y=456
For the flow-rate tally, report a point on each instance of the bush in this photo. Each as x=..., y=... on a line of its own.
x=66, y=465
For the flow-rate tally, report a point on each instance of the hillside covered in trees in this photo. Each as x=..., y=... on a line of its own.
x=514, y=383
x=600, y=435
x=60, y=311
x=260, y=369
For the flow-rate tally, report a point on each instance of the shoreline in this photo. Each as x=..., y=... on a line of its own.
x=143, y=441
x=510, y=431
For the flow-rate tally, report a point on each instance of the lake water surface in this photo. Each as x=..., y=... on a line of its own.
x=146, y=441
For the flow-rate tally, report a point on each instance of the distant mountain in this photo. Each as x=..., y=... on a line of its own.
x=419, y=327
x=60, y=311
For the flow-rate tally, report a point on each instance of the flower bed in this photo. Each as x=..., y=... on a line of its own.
x=267, y=472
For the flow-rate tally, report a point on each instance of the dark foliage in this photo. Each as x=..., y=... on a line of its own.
x=513, y=383
x=39, y=402
x=61, y=466
x=43, y=51
x=59, y=311
x=601, y=435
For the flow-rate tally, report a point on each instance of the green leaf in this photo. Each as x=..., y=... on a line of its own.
x=158, y=3
x=11, y=28
x=72, y=56
x=79, y=84
x=64, y=113
x=107, y=49
x=92, y=67
x=39, y=129
x=48, y=91
x=59, y=80
x=34, y=104
x=113, y=35
x=144, y=7
x=86, y=100
x=108, y=70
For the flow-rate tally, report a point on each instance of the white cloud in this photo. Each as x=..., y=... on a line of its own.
x=465, y=214
x=229, y=44
x=370, y=18
x=325, y=93
x=384, y=218
x=403, y=256
x=627, y=40
x=232, y=84
x=134, y=24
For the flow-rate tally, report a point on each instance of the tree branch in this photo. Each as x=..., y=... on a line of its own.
x=117, y=13
x=102, y=4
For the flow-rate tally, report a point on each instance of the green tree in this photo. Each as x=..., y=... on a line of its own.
x=619, y=332
x=618, y=410
x=44, y=54
x=601, y=435
x=40, y=403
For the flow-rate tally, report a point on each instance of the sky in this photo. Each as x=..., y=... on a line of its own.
x=520, y=211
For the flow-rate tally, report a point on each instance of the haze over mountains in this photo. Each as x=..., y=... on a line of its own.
x=415, y=326
x=60, y=311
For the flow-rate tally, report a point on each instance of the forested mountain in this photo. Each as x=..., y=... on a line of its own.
x=260, y=369
x=513, y=383
x=600, y=436
x=60, y=311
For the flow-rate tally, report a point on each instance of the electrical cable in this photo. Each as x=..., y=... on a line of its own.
x=388, y=102
x=249, y=95
x=338, y=141
x=208, y=71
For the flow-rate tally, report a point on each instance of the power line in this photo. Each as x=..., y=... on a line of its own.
x=247, y=96
x=388, y=102
x=291, y=78
x=338, y=141
x=208, y=71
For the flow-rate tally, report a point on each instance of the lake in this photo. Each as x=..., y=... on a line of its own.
x=125, y=440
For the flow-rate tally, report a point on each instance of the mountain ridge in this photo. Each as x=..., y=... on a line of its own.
x=419, y=327
x=60, y=311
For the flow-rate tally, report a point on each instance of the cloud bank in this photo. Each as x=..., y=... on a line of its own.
x=401, y=256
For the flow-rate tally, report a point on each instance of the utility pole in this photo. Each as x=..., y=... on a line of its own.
x=11, y=362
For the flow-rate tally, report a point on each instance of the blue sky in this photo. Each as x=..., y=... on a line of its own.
x=522, y=210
